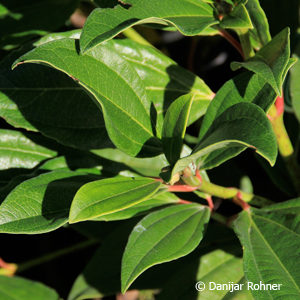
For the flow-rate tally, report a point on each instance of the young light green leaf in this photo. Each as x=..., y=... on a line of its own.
x=174, y=127
x=243, y=124
x=17, y=288
x=141, y=208
x=112, y=83
x=162, y=236
x=50, y=102
x=190, y=17
x=263, y=234
x=270, y=62
x=107, y=196
x=41, y=204
x=260, y=32
x=238, y=18
x=17, y=150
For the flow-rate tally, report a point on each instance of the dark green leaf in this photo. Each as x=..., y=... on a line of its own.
x=238, y=18
x=164, y=80
x=107, y=196
x=190, y=17
x=271, y=61
x=163, y=236
x=270, y=238
x=111, y=82
x=260, y=32
x=38, y=98
x=19, y=151
x=174, y=127
x=17, y=288
x=41, y=204
x=242, y=124
x=20, y=21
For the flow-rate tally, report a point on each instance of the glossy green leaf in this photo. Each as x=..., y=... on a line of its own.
x=163, y=236
x=238, y=18
x=50, y=102
x=18, y=150
x=243, y=124
x=41, y=204
x=271, y=61
x=111, y=82
x=174, y=127
x=246, y=87
x=294, y=82
x=270, y=238
x=107, y=196
x=21, y=21
x=260, y=32
x=156, y=201
x=17, y=288
x=165, y=81
x=190, y=17
x=217, y=267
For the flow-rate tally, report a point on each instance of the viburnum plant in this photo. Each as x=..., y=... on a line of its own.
x=103, y=127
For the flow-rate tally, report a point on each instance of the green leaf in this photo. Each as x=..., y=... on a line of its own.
x=107, y=196
x=238, y=18
x=112, y=83
x=162, y=236
x=91, y=283
x=156, y=201
x=18, y=150
x=271, y=61
x=246, y=87
x=17, y=288
x=270, y=238
x=190, y=17
x=164, y=80
x=294, y=83
x=50, y=102
x=217, y=267
x=150, y=167
x=41, y=204
x=174, y=127
x=258, y=17
x=242, y=124
x=21, y=21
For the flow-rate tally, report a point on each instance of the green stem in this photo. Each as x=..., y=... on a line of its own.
x=245, y=43
x=135, y=36
x=50, y=256
x=224, y=192
x=219, y=218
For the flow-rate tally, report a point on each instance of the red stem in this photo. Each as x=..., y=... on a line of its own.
x=210, y=202
x=232, y=41
x=279, y=103
x=182, y=188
